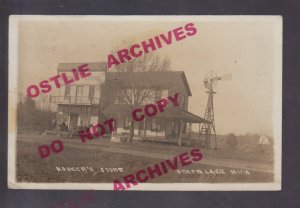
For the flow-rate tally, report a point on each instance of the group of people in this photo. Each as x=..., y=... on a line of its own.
x=62, y=126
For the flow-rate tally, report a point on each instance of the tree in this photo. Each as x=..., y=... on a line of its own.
x=150, y=61
x=25, y=113
x=42, y=101
x=133, y=91
x=231, y=141
x=29, y=117
x=147, y=62
x=29, y=102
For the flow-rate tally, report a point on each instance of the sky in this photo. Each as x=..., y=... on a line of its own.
x=245, y=47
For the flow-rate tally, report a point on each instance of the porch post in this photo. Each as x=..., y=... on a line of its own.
x=90, y=113
x=144, y=127
x=190, y=126
x=180, y=136
x=156, y=128
x=75, y=96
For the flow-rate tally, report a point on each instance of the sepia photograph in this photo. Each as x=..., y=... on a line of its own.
x=145, y=102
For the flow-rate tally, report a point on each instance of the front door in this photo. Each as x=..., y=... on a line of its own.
x=73, y=121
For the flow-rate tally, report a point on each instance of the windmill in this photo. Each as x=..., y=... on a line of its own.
x=208, y=130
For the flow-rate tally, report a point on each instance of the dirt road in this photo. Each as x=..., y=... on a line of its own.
x=106, y=146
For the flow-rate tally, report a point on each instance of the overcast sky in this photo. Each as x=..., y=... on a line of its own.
x=246, y=48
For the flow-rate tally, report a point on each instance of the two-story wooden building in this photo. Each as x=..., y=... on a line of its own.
x=78, y=104
x=173, y=125
x=104, y=95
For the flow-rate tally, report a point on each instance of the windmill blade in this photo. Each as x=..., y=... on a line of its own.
x=225, y=77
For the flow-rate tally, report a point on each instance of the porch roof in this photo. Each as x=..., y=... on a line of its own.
x=118, y=110
x=180, y=114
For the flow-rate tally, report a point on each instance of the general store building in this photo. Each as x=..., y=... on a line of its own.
x=101, y=96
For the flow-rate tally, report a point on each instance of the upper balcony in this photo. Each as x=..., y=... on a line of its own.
x=79, y=100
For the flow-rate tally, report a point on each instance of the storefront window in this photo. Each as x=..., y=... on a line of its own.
x=83, y=121
x=94, y=120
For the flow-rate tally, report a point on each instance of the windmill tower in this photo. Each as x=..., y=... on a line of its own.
x=208, y=130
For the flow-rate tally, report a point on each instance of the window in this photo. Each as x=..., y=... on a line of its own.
x=79, y=90
x=97, y=92
x=173, y=127
x=158, y=94
x=92, y=91
x=121, y=99
x=67, y=91
x=164, y=93
x=150, y=98
x=183, y=101
x=83, y=120
x=73, y=91
x=127, y=121
x=155, y=125
x=86, y=91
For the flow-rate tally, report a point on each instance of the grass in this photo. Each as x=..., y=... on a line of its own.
x=31, y=168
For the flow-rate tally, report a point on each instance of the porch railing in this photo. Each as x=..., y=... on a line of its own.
x=74, y=100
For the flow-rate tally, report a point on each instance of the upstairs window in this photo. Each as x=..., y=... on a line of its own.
x=158, y=94
x=97, y=92
x=67, y=91
x=164, y=93
x=121, y=97
x=150, y=98
x=92, y=91
x=183, y=101
x=79, y=90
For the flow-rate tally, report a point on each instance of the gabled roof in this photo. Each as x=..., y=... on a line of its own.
x=148, y=79
x=93, y=66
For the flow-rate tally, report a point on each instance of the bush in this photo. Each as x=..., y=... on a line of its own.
x=231, y=141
